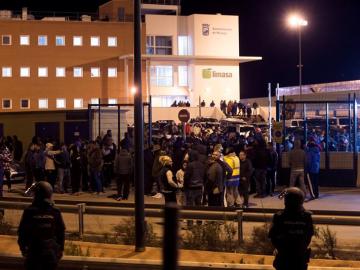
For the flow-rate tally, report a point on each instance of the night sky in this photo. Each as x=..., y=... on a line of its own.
x=331, y=41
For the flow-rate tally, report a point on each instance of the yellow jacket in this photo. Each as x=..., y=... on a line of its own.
x=234, y=162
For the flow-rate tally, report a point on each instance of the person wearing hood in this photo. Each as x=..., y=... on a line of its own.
x=214, y=182
x=297, y=165
x=41, y=233
x=291, y=232
x=168, y=184
x=123, y=168
x=313, y=167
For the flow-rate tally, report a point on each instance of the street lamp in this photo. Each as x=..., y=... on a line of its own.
x=296, y=21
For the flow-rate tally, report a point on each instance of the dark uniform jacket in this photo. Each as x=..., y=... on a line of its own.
x=291, y=234
x=42, y=233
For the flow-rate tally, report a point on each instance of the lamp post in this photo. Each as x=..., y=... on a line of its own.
x=296, y=21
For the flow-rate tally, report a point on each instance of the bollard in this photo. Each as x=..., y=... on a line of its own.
x=171, y=237
x=81, y=211
x=240, y=226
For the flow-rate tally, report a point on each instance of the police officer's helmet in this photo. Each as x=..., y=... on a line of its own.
x=43, y=192
x=294, y=198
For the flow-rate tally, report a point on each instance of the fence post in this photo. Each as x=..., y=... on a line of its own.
x=171, y=237
x=240, y=226
x=81, y=211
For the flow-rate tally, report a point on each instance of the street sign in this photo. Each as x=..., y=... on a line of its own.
x=278, y=132
x=184, y=115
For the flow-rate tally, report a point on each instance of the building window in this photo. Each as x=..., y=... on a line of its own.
x=6, y=39
x=94, y=41
x=6, y=103
x=182, y=76
x=42, y=72
x=24, y=72
x=161, y=76
x=60, y=41
x=95, y=72
x=94, y=101
x=24, y=40
x=43, y=103
x=78, y=103
x=60, y=103
x=112, y=41
x=112, y=72
x=24, y=103
x=6, y=72
x=183, y=45
x=60, y=72
x=159, y=45
x=77, y=41
x=112, y=101
x=42, y=40
x=78, y=72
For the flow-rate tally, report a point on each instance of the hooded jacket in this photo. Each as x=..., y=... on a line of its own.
x=195, y=172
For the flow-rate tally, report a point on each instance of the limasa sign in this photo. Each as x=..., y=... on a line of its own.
x=208, y=73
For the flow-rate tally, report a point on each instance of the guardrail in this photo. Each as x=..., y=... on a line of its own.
x=238, y=216
x=11, y=262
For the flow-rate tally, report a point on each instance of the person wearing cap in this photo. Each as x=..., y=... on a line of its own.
x=313, y=167
x=291, y=232
x=41, y=233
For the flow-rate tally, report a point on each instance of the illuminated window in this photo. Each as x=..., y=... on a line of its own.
x=112, y=41
x=42, y=40
x=60, y=72
x=78, y=103
x=112, y=101
x=24, y=103
x=78, y=72
x=161, y=76
x=24, y=72
x=60, y=41
x=42, y=72
x=6, y=39
x=183, y=45
x=182, y=76
x=159, y=45
x=112, y=72
x=77, y=41
x=60, y=103
x=24, y=40
x=94, y=41
x=95, y=72
x=6, y=103
x=43, y=103
x=6, y=71
x=94, y=101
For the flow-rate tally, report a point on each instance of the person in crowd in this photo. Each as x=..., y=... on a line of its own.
x=156, y=172
x=248, y=110
x=18, y=149
x=109, y=153
x=37, y=162
x=214, y=182
x=76, y=170
x=194, y=180
x=168, y=182
x=260, y=164
x=203, y=104
x=63, y=169
x=84, y=168
x=95, y=161
x=180, y=181
x=291, y=232
x=212, y=104
x=50, y=166
x=297, y=164
x=313, y=167
x=232, y=197
x=271, y=169
x=123, y=168
x=187, y=104
x=41, y=232
x=234, y=108
x=246, y=171
x=229, y=108
x=5, y=160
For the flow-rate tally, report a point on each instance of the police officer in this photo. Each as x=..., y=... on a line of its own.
x=291, y=232
x=41, y=231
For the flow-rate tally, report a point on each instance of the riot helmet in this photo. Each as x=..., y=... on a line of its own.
x=43, y=192
x=294, y=198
